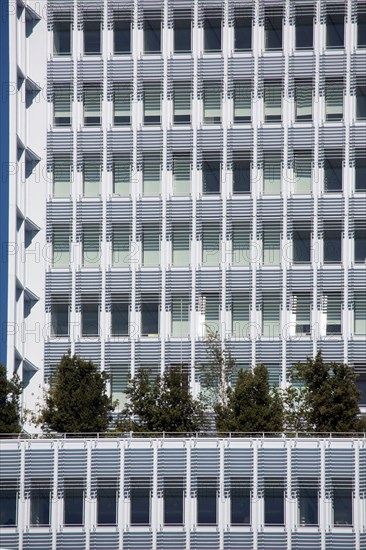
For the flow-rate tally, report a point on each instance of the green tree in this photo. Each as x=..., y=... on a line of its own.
x=77, y=400
x=252, y=405
x=331, y=396
x=161, y=405
x=216, y=374
x=10, y=392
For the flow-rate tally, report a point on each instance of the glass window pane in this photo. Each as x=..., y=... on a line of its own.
x=206, y=501
x=62, y=37
x=211, y=313
x=180, y=245
x=92, y=43
x=150, y=319
x=212, y=103
x=212, y=34
x=334, y=101
x=360, y=174
x=271, y=243
x=342, y=502
x=243, y=33
x=302, y=172
x=91, y=246
x=120, y=245
x=120, y=317
x=272, y=174
x=73, y=506
x=242, y=102
x=151, y=245
x=303, y=313
x=335, y=27
x=119, y=381
x=61, y=177
x=182, y=103
x=360, y=314
x=240, y=315
x=361, y=29
x=361, y=383
x=271, y=315
x=360, y=243
x=60, y=319
x=40, y=499
x=122, y=33
x=304, y=31
x=173, y=501
x=241, y=244
x=240, y=501
x=107, y=502
x=92, y=177
x=211, y=244
x=308, y=502
x=8, y=505
x=92, y=105
x=273, y=33
x=181, y=174
x=122, y=104
x=61, y=246
x=151, y=175
x=152, y=35
x=332, y=245
x=152, y=104
x=361, y=102
x=121, y=175
x=334, y=313
x=182, y=35
x=241, y=176
x=180, y=316
x=303, y=101
x=301, y=240
x=89, y=319
x=211, y=176
x=274, y=502
x=62, y=104
x=333, y=173
x=273, y=101
x=140, y=501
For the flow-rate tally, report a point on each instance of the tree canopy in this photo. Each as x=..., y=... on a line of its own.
x=77, y=400
x=252, y=405
x=164, y=404
x=10, y=392
x=331, y=396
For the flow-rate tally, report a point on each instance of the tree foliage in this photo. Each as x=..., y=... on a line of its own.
x=252, y=405
x=331, y=396
x=10, y=392
x=77, y=400
x=161, y=405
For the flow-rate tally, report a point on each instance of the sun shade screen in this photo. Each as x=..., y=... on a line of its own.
x=334, y=313
x=242, y=102
x=91, y=178
x=241, y=244
x=62, y=105
x=61, y=246
x=119, y=380
x=92, y=105
x=302, y=169
x=182, y=174
x=211, y=244
x=61, y=177
x=182, y=104
x=272, y=174
x=180, y=245
x=91, y=246
x=240, y=315
x=121, y=175
x=120, y=245
x=211, y=313
x=303, y=311
x=152, y=103
x=360, y=314
x=180, y=316
x=212, y=103
x=304, y=101
x=271, y=315
x=272, y=101
x=122, y=104
x=151, y=183
x=334, y=101
x=271, y=244
x=151, y=245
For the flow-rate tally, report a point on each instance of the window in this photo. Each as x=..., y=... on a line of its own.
x=360, y=313
x=119, y=375
x=334, y=100
x=140, y=501
x=206, y=501
x=240, y=315
x=333, y=171
x=335, y=26
x=61, y=246
x=121, y=174
x=61, y=176
x=242, y=101
x=302, y=172
x=239, y=501
x=274, y=501
x=92, y=175
x=304, y=19
x=173, y=501
x=361, y=27
x=73, y=502
x=211, y=175
x=360, y=371
x=342, y=501
x=62, y=104
x=120, y=245
x=303, y=101
x=210, y=313
x=8, y=502
x=107, y=501
x=182, y=32
x=182, y=103
x=241, y=172
x=333, y=308
x=122, y=32
x=361, y=101
x=273, y=31
x=90, y=316
x=243, y=30
x=151, y=174
x=308, y=501
x=272, y=173
x=271, y=243
x=180, y=316
x=211, y=103
x=360, y=172
x=360, y=241
x=151, y=245
x=332, y=239
x=40, y=500
x=152, y=103
x=119, y=315
x=240, y=243
x=60, y=315
x=152, y=32
x=272, y=101
x=181, y=173
x=180, y=244
x=92, y=105
x=122, y=104
x=91, y=245
x=92, y=34
x=301, y=239
x=62, y=35
x=302, y=307
x=271, y=315
x=211, y=235
x=150, y=316
x=212, y=32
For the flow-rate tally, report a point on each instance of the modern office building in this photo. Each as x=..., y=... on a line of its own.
x=189, y=493
x=178, y=166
